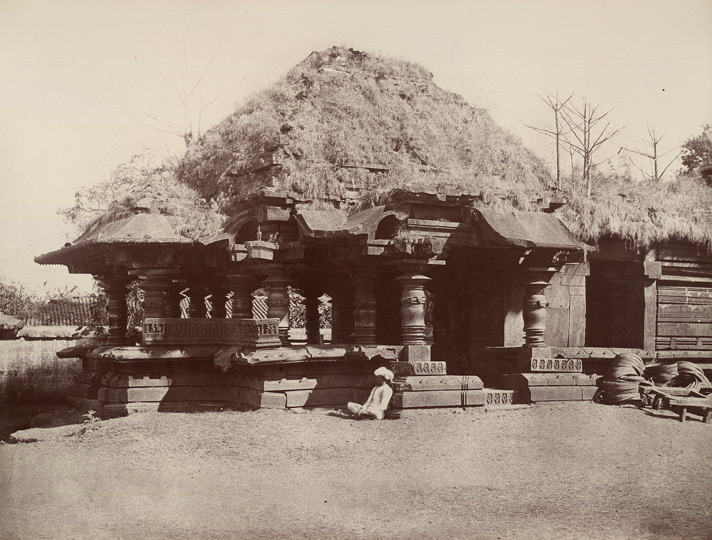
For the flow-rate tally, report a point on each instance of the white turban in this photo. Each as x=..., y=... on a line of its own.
x=385, y=373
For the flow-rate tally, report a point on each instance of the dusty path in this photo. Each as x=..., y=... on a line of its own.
x=545, y=472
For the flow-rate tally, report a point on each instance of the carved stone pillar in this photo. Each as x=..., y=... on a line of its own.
x=241, y=286
x=365, y=309
x=278, y=303
x=155, y=284
x=115, y=289
x=535, y=304
x=413, y=329
x=312, y=318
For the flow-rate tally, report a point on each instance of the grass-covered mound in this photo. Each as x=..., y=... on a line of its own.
x=345, y=124
x=643, y=213
x=342, y=119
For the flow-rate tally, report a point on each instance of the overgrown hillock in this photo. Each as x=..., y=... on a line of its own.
x=643, y=213
x=343, y=120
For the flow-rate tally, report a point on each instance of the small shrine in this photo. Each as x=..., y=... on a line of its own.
x=430, y=231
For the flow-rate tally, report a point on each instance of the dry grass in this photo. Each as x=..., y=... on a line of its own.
x=340, y=107
x=31, y=373
x=643, y=213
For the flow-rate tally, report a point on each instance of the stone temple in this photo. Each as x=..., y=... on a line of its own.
x=427, y=269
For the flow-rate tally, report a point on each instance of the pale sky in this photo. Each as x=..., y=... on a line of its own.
x=78, y=80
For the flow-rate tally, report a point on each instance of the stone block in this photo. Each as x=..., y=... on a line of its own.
x=555, y=393
x=587, y=392
x=514, y=381
x=438, y=398
x=577, y=321
x=415, y=353
x=575, y=274
x=405, y=369
x=439, y=382
x=557, y=326
x=561, y=379
x=500, y=398
x=558, y=297
x=263, y=400
x=319, y=397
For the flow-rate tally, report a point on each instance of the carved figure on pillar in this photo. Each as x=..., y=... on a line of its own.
x=365, y=309
x=115, y=289
x=278, y=303
x=413, y=330
x=535, y=304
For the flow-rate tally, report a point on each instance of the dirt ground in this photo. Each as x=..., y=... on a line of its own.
x=560, y=471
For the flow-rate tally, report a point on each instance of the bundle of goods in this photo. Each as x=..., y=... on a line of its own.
x=661, y=374
x=621, y=383
x=690, y=376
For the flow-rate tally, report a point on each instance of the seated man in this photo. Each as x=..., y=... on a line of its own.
x=377, y=403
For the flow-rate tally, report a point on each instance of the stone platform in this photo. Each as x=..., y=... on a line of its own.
x=127, y=379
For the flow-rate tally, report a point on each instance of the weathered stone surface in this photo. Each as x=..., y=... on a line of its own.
x=319, y=397
x=415, y=353
x=574, y=274
x=154, y=353
x=322, y=382
x=556, y=393
x=263, y=400
x=438, y=382
x=577, y=321
x=515, y=381
x=120, y=380
x=438, y=398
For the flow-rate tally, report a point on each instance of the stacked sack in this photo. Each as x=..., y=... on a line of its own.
x=621, y=383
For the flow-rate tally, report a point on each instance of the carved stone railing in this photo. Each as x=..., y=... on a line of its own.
x=251, y=333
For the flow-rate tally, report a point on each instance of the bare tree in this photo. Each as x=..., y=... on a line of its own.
x=556, y=105
x=189, y=99
x=653, y=141
x=588, y=129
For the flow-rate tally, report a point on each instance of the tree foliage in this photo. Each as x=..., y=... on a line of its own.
x=698, y=150
x=146, y=181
